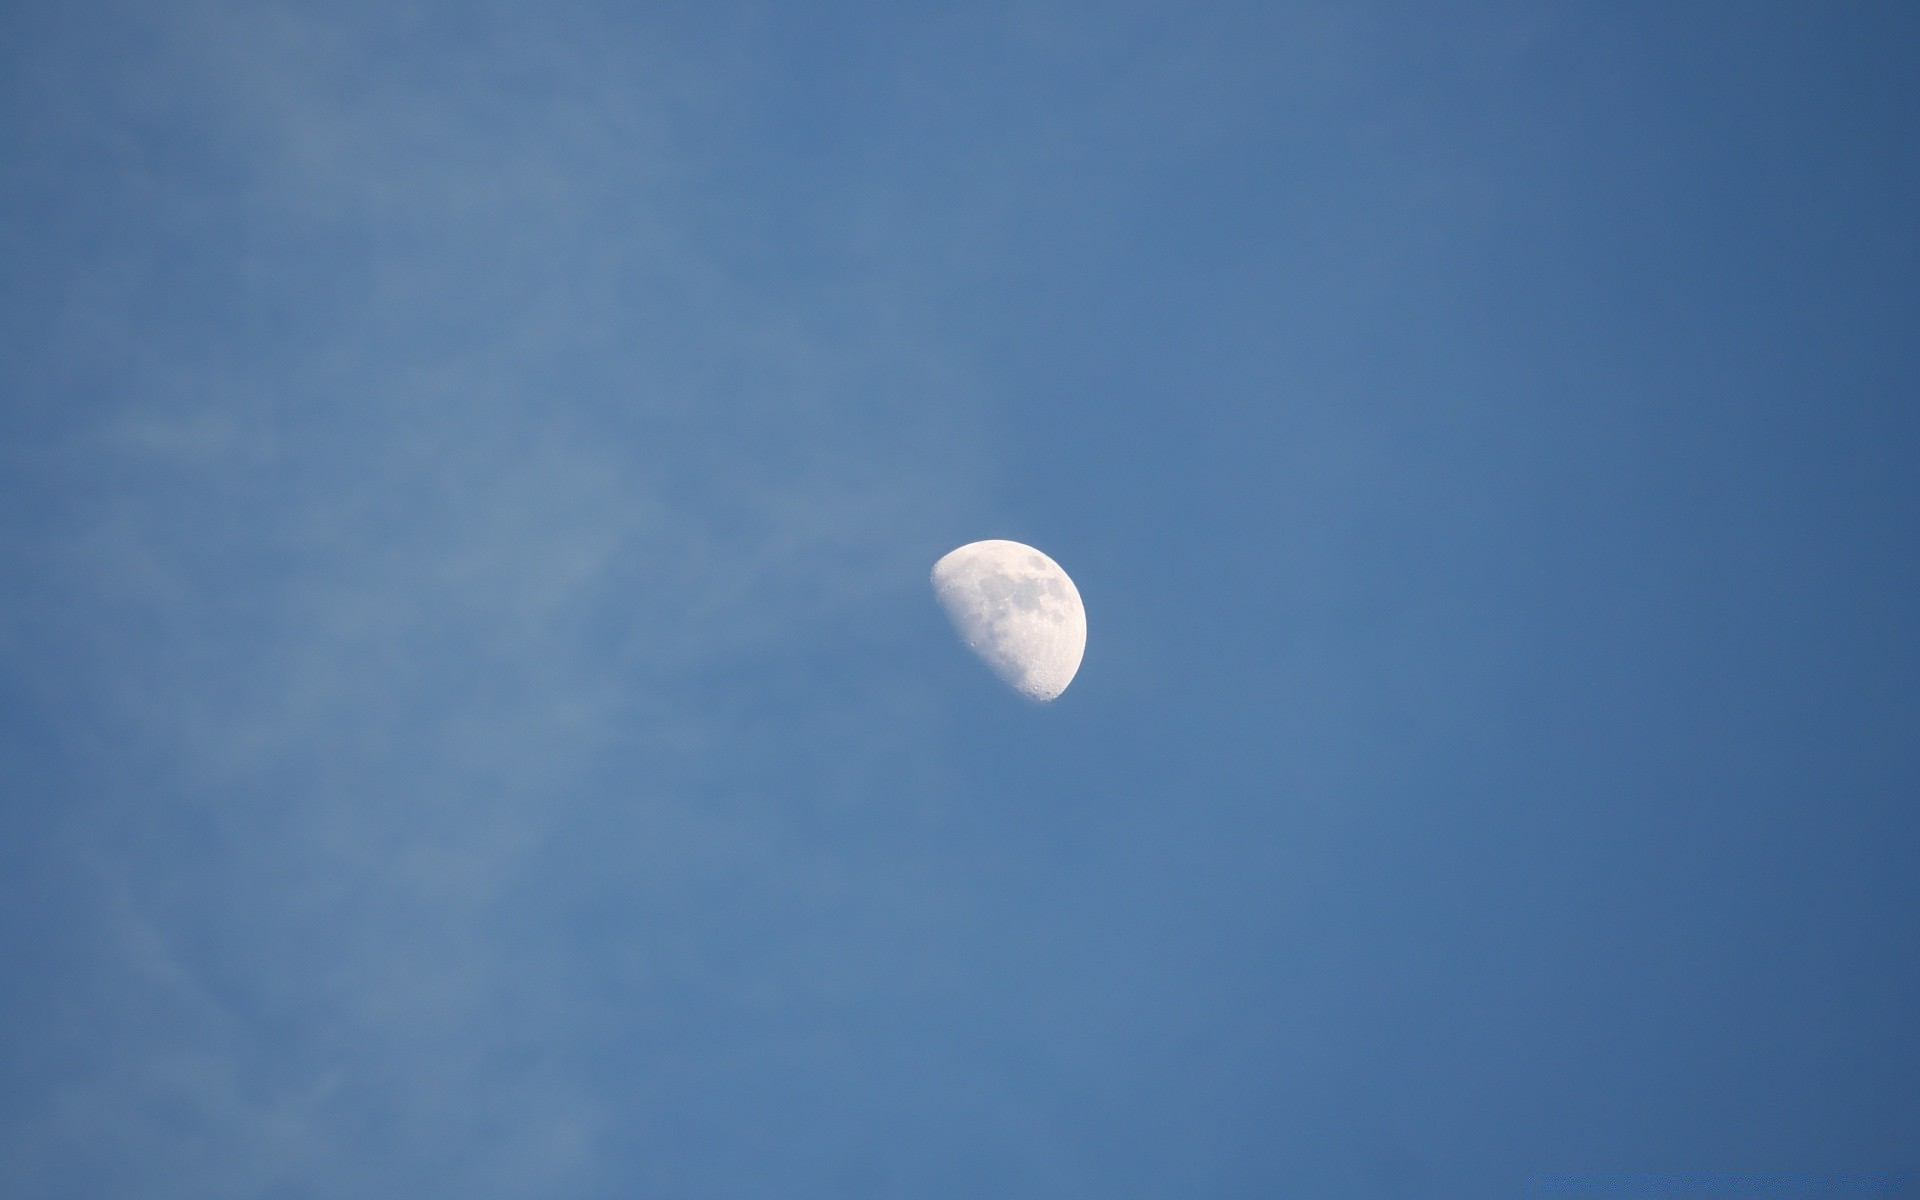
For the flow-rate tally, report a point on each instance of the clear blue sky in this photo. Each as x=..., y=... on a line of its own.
x=474, y=723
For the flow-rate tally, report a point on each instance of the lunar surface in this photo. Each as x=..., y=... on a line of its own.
x=1017, y=610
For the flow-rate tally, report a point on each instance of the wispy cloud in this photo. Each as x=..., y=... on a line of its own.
x=396, y=484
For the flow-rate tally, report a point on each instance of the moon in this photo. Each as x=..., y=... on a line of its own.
x=1017, y=610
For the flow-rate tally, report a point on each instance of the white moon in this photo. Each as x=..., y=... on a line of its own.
x=1018, y=611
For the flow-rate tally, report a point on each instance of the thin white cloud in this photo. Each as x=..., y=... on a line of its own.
x=388, y=526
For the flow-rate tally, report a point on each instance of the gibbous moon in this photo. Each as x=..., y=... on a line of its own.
x=1018, y=611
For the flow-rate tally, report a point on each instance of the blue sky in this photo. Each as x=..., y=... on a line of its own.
x=473, y=720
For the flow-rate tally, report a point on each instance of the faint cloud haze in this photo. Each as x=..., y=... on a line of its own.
x=415, y=465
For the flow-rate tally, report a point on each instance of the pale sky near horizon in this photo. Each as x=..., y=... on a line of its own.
x=473, y=718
